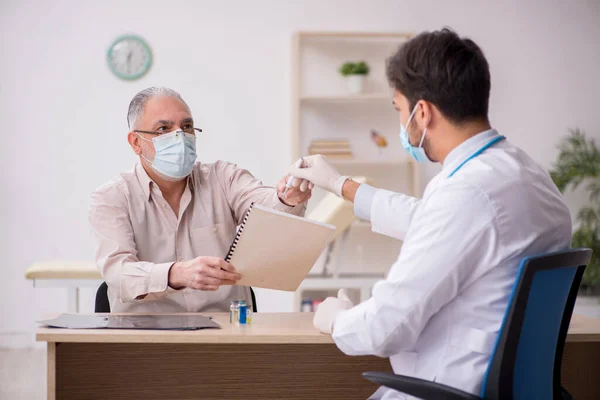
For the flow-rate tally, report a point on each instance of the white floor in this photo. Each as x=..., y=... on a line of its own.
x=23, y=371
x=22, y=374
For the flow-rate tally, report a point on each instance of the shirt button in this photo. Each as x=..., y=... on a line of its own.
x=214, y=228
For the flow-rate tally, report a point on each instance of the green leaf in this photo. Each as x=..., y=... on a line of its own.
x=350, y=68
x=590, y=239
x=361, y=68
x=587, y=217
x=347, y=68
x=593, y=190
x=578, y=160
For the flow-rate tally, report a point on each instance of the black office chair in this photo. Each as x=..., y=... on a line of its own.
x=527, y=357
x=103, y=306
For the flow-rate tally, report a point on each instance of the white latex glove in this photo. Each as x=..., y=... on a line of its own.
x=318, y=170
x=329, y=309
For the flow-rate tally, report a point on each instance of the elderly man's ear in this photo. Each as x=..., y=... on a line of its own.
x=134, y=142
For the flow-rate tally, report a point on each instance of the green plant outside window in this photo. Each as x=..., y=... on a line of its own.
x=578, y=162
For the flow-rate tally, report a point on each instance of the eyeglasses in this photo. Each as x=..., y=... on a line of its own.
x=190, y=130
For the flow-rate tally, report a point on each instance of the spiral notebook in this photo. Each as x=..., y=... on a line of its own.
x=275, y=250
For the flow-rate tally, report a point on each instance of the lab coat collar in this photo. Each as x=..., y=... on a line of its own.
x=467, y=148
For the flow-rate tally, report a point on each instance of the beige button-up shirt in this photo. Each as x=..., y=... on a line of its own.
x=140, y=237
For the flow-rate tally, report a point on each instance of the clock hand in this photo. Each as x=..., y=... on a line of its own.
x=129, y=61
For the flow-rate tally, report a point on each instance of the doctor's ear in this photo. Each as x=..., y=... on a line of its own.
x=134, y=142
x=424, y=112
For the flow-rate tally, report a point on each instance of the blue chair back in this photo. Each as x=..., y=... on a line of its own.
x=527, y=357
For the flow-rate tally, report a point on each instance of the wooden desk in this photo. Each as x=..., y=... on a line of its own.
x=581, y=358
x=279, y=356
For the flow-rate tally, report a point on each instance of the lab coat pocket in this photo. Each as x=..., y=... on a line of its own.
x=466, y=358
x=213, y=240
x=404, y=363
x=472, y=339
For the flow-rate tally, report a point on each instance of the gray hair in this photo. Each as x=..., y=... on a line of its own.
x=138, y=103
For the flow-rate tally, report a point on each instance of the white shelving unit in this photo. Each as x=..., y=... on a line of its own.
x=322, y=108
x=347, y=99
x=330, y=284
x=373, y=163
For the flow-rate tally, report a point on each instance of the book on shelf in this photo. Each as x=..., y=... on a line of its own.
x=316, y=150
x=342, y=143
x=332, y=148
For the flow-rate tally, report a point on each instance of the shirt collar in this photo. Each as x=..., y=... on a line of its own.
x=147, y=183
x=464, y=150
x=144, y=180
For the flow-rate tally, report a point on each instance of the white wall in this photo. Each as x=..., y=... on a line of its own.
x=63, y=112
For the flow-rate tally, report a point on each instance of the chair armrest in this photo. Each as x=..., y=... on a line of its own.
x=420, y=388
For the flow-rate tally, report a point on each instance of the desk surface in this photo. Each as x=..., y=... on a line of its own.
x=266, y=328
x=280, y=328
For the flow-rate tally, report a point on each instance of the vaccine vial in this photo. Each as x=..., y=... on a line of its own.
x=234, y=310
x=248, y=315
x=306, y=306
x=243, y=312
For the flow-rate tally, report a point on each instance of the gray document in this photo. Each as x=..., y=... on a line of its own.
x=153, y=322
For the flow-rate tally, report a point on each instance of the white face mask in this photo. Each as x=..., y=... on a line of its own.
x=418, y=153
x=175, y=154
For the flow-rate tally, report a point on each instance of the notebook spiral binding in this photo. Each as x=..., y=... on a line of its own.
x=238, y=235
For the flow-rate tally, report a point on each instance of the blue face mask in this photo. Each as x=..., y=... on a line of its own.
x=418, y=153
x=175, y=154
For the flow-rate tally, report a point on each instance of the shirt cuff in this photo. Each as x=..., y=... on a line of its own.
x=298, y=210
x=281, y=206
x=159, y=277
x=363, y=201
x=347, y=328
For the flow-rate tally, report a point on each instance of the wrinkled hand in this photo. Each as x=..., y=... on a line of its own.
x=318, y=170
x=329, y=309
x=299, y=193
x=202, y=273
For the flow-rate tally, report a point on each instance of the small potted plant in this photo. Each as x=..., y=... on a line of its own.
x=355, y=73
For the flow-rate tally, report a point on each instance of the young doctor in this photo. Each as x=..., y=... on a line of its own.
x=438, y=312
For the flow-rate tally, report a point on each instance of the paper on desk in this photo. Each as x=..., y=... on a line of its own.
x=153, y=322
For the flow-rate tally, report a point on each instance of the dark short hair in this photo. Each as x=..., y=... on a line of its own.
x=446, y=70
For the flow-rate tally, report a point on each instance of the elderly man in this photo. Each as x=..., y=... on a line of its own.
x=163, y=227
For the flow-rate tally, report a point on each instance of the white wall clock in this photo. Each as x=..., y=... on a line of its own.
x=129, y=57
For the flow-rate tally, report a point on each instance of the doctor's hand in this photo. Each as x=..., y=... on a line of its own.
x=299, y=193
x=202, y=273
x=329, y=309
x=318, y=170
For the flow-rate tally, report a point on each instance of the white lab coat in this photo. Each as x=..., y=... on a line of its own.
x=438, y=312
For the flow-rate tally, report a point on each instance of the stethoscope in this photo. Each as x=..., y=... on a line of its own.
x=478, y=152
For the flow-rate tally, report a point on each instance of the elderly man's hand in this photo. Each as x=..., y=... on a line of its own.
x=202, y=273
x=298, y=194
